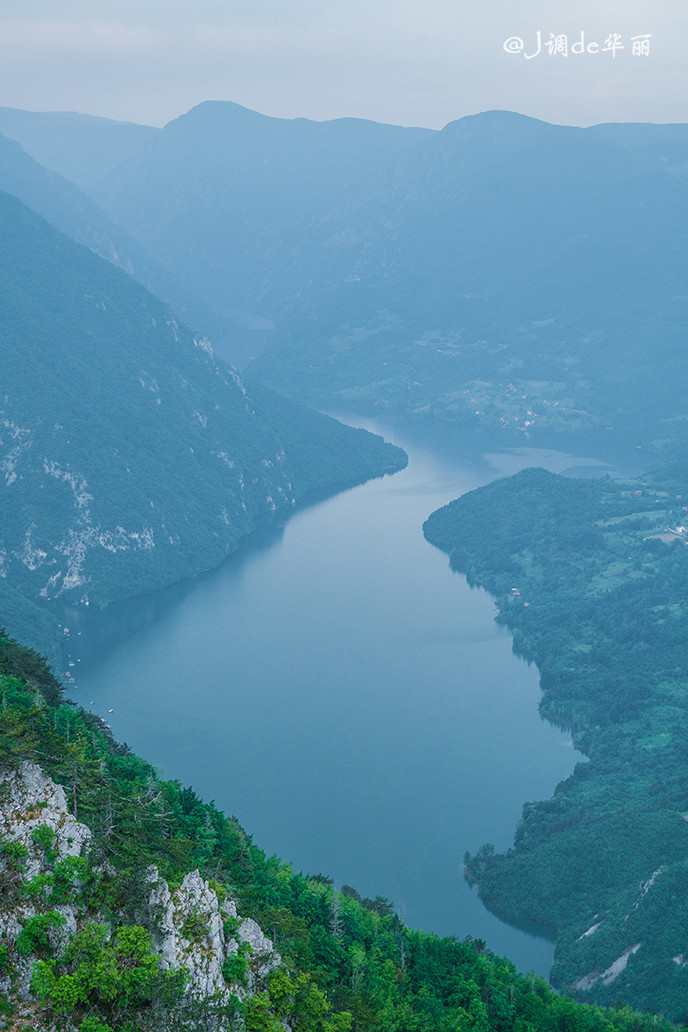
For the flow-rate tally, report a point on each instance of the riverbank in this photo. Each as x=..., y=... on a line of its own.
x=600, y=607
x=310, y=686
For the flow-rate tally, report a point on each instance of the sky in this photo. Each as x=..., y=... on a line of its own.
x=409, y=62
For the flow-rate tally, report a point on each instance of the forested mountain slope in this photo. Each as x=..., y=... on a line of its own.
x=590, y=575
x=129, y=904
x=68, y=208
x=63, y=204
x=130, y=456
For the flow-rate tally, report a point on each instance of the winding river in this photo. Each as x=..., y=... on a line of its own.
x=345, y=695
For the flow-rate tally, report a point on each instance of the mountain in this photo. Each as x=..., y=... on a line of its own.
x=63, y=204
x=131, y=457
x=82, y=148
x=222, y=189
x=504, y=272
x=128, y=904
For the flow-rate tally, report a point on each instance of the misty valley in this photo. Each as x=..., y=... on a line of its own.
x=344, y=481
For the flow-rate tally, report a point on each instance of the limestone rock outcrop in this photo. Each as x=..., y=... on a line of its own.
x=30, y=800
x=192, y=928
x=198, y=933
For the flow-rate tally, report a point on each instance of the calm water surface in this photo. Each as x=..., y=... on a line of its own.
x=345, y=695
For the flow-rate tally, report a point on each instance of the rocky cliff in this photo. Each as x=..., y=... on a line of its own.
x=46, y=863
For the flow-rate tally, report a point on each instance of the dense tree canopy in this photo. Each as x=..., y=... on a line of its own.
x=348, y=963
x=591, y=577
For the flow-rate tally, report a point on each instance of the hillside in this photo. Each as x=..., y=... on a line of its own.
x=502, y=273
x=131, y=457
x=590, y=576
x=68, y=208
x=129, y=904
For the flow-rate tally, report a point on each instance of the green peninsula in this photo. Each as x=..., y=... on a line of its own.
x=590, y=576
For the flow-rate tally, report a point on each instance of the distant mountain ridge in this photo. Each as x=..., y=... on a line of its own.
x=220, y=189
x=82, y=148
x=502, y=272
x=503, y=261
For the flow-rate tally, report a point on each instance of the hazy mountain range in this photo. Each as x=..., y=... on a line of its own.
x=503, y=271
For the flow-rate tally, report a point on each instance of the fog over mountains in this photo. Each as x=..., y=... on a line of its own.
x=502, y=272
x=82, y=148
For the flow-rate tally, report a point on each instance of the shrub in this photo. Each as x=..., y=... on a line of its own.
x=45, y=837
x=195, y=927
x=33, y=937
x=235, y=967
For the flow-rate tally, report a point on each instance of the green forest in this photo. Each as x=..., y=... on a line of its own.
x=590, y=577
x=347, y=963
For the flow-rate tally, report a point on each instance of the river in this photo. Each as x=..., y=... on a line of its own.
x=345, y=695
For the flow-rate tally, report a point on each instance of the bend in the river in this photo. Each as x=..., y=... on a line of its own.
x=345, y=695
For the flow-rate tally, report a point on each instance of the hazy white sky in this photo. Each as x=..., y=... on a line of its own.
x=412, y=62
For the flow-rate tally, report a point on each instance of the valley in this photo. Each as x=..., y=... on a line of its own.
x=244, y=582
x=360, y=712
